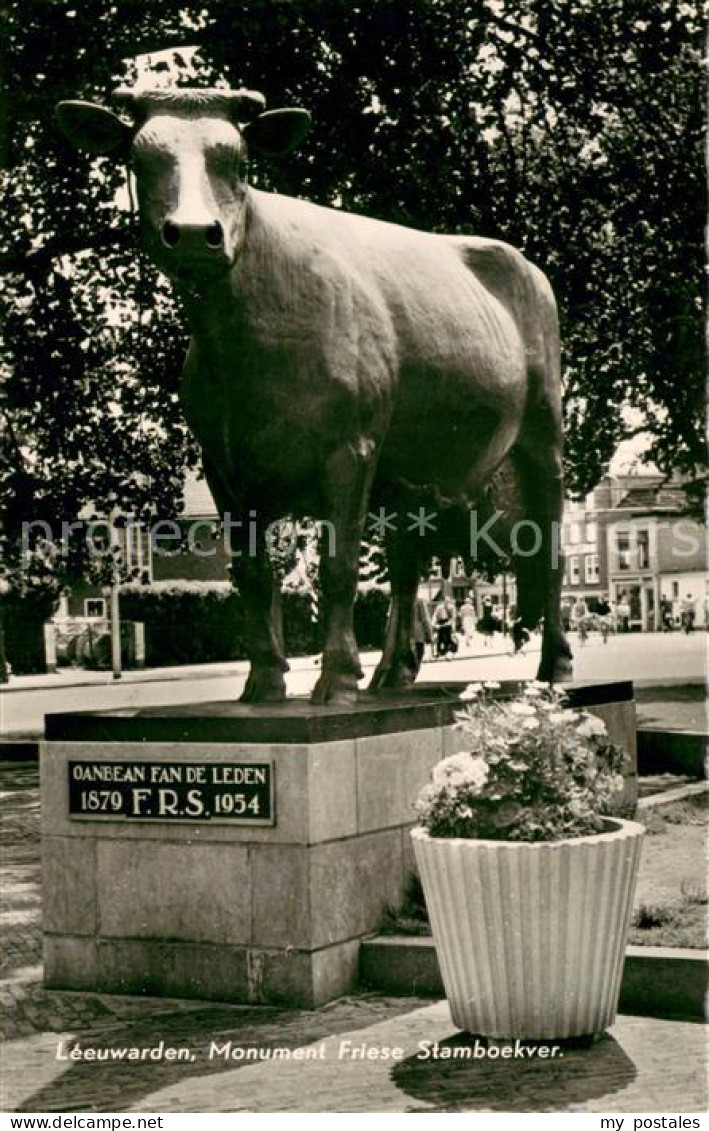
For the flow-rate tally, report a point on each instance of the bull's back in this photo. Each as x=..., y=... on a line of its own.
x=446, y=304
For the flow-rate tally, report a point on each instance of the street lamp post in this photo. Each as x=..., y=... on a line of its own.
x=114, y=605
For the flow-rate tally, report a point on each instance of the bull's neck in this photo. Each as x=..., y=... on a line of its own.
x=261, y=255
x=207, y=307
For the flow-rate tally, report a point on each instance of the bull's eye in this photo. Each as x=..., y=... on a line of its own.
x=170, y=233
x=214, y=235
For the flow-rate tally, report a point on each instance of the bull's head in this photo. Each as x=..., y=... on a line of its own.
x=187, y=148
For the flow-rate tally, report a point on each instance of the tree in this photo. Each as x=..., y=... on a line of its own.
x=571, y=128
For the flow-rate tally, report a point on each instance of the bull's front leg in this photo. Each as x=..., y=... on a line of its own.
x=347, y=483
x=260, y=593
x=252, y=575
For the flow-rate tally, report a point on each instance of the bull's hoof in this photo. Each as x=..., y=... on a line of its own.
x=558, y=670
x=264, y=685
x=335, y=689
x=392, y=677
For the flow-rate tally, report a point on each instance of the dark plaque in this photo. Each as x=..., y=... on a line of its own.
x=240, y=792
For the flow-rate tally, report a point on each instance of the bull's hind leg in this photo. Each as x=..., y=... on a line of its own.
x=538, y=560
x=399, y=664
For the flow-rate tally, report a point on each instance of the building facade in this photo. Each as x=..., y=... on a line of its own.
x=629, y=540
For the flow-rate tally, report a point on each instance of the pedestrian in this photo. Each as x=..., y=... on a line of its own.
x=666, y=623
x=487, y=622
x=566, y=615
x=520, y=637
x=443, y=619
x=689, y=613
x=624, y=612
x=603, y=611
x=579, y=617
x=422, y=630
x=467, y=621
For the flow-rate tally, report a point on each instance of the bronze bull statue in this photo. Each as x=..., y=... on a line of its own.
x=339, y=364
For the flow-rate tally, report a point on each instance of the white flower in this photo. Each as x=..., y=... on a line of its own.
x=478, y=774
x=461, y=770
x=530, y=724
x=522, y=709
x=425, y=797
x=591, y=727
x=560, y=717
x=576, y=807
x=471, y=691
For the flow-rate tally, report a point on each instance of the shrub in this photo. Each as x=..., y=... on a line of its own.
x=23, y=624
x=370, y=617
x=192, y=622
x=187, y=622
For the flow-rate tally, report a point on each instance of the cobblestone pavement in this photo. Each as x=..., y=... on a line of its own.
x=642, y=1065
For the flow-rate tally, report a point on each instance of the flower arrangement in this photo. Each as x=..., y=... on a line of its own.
x=536, y=770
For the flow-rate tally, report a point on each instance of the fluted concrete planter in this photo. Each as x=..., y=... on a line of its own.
x=531, y=937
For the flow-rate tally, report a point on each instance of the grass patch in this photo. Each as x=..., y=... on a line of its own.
x=693, y=810
x=682, y=924
x=412, y=917
x=677, y=693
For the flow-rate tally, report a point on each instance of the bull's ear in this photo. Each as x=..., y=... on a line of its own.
x=277, y=131
x=92, y=127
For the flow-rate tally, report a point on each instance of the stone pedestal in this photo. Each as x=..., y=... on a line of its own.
x=188, y=907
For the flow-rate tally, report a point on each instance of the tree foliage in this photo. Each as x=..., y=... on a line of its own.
x=570, y=128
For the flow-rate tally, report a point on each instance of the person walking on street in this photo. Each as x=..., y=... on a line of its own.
x=422, y=630
x=487, y=622
x=566, y=615
x=579, y=617
x=689, y=613
x=666, y=624
x=467, y=621
x=604, y=618
x=624, y=612
x=443, y=619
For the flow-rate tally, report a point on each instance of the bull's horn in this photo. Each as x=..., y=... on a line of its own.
x=251, y=101
x=243, y=103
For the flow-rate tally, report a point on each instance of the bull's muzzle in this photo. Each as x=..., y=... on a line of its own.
x=193, y=239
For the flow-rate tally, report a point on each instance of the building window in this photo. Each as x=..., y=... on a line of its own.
x=591, y=568
x=622, y=549
x=592, y=532
x=95, y=608
x=574, y=571
x=675, y=588
x=643, y=549
x=574, y=533
x=135, y=544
